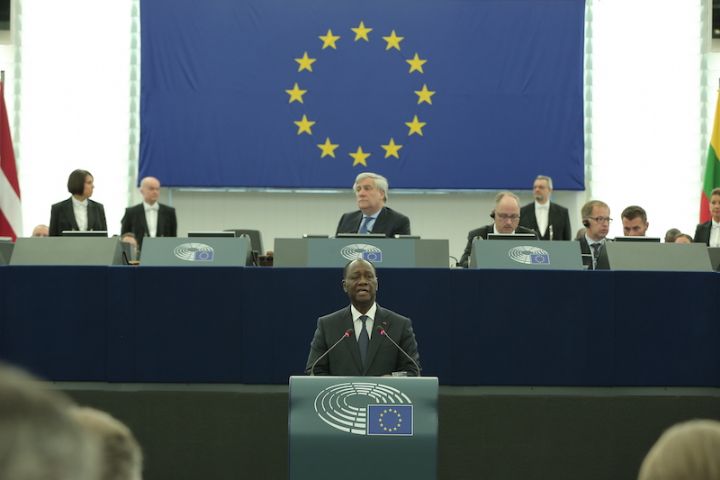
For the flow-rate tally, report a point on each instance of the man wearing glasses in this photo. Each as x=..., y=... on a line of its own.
x=506, y=216
x=596, y=219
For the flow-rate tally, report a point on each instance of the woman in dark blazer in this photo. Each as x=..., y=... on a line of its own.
x=90, y=215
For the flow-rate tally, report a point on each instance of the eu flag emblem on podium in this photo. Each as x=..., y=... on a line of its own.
x=390, y=419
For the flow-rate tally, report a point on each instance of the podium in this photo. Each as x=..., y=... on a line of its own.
x=526, y=254
x=671, y=257
x=67, y=251
x=356, y=428
x=196, y=252
x=382, y=252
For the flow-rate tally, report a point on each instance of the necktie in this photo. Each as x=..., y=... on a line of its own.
x=364, y=225
x=363, y=341
x=596, y=249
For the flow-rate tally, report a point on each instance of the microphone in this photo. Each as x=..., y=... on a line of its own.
x=345, y=335
x=381, y=331
x=551, y=231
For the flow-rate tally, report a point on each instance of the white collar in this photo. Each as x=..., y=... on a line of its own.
x=78, y=203
x=155, y=206
x=590, y=241
x=370, y=313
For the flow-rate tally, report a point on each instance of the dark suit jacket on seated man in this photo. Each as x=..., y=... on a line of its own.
x=371, y=193
x=555, y=219
x=162, y=223
x=506, y=216
x=78, y=212
x=381, y=357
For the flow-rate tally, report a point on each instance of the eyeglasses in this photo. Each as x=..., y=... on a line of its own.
x=601, y=219
x=505, y=216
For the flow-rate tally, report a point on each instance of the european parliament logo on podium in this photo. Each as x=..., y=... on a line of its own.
x=365, y=409
x=333, y=421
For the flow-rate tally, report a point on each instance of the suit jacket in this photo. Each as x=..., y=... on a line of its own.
x=388, y=222
x=62, y=217
x=702, y=233
x=134, y=221
x=383, y=357
x=558, y=217
x=482, y=232
x=585, y=250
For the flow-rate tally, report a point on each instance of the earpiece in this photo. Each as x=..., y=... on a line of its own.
x=492, y=214
x=586, y=224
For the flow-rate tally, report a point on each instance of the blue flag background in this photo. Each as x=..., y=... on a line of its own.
x=499, y=95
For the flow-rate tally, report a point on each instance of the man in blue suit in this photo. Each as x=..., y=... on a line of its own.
x=361, y=331
x=371, y=194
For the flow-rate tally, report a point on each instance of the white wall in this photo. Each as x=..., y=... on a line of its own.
x=646, y=140
x=74, y=113
x=647, y=110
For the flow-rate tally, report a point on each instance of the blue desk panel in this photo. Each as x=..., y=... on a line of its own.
x=254, y=325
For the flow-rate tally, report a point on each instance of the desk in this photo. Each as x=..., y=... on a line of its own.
x=254, y=325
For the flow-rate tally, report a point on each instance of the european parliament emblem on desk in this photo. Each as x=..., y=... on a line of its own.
x=354, y=408
x=529, y=255
x=362, y=251
x=194, y=252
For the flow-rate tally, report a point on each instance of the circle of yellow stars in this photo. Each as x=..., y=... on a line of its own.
x=362, y=34
x=397, y=417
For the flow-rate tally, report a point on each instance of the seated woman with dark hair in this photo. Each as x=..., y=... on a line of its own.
x=78, y=212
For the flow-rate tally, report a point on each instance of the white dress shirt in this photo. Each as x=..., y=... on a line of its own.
x=369, y=323
x=370, y=221
x=541, y=215
x=80, y=211
x=151, y=217
x=592, y=242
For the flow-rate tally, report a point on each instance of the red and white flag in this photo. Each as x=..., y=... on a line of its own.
x=10, y=211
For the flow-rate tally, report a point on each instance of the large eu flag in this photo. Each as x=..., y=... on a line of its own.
x=442, y=94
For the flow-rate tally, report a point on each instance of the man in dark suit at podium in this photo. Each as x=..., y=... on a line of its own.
x=356, y=341
x=506, y=219
x=550, y=220
x=149, y=218
x=371, y=193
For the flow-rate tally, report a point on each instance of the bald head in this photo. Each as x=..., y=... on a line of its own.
x=41, y=231
x=507, y=212
x=150, y=190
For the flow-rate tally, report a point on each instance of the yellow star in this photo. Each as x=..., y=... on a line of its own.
x=393, y=41
x=305, y=62
x=391, y=149
x=305, y=124
x=296, y=94
x=359, y=157
x=361, y=32
x=327, y=148
x=329, y=40
x=424, y=95
x=415, y=126
x=416, y=64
